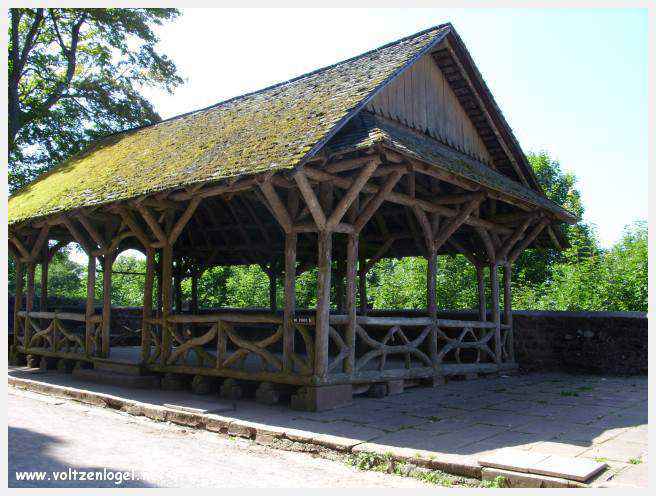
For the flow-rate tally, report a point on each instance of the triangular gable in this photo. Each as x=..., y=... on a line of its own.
x=422, y=99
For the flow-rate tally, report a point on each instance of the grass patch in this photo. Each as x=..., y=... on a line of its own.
x=635, y=461
x=386, y=464
x=565, y=392
x=601, y=460
x=586, y=388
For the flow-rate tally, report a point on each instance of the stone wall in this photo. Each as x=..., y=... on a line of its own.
x=589, y=342
x=593, y=342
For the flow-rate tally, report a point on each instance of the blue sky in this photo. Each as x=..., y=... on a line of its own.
x=572, y=82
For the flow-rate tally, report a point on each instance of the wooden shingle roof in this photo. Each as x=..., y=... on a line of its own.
x=272, y=129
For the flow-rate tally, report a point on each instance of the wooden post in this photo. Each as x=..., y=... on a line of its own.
x=362, y=284
x=45, y=260
x=18, y=300
x=147, y=304
x=167, y=297
x=507, y=310
x=43, y=299
x=480, y=280
x=431, y=295
x=351, y=307
x=272, y=288
x=107, y=303
x=322, y=320
x=290, y=299
x=159, y=284
x=340, y=295
x=496, y=317
x=29, y=301
x=90, y=309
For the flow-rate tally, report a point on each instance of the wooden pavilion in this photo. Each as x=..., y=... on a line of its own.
x=400, y=151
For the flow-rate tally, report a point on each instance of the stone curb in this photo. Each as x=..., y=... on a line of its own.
x=270, y=434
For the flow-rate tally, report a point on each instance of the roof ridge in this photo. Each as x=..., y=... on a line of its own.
x=287, y=81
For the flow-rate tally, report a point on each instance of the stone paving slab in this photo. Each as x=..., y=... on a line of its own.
x=584, y=417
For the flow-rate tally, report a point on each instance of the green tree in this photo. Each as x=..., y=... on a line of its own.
x=76, y=75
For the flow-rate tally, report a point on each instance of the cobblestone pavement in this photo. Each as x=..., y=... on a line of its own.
x=51, y=435
x=602, y=418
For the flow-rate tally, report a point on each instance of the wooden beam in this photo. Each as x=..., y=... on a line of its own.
x=425, y=227
x=352, y=193
x=276, y=206
x=490, y=250
x=152, y=222
x=454, y=223
x=348, y=164
x=95, y=235
x=380, y=253
x=21, y=248
x=184, y=219
x=535, y=232
x=512, y=240
x=81, y=240
x=403, y=199
x=507, y=309
x=166, y=294
x=134, y=227
x=38, y=244
x=311, y=199
x=374, y=203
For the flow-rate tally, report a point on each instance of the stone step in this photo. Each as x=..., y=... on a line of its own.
x=117, y=378
x=118, y=367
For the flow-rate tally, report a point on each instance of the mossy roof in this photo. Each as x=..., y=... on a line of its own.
x=367, y=129
x=272, y=129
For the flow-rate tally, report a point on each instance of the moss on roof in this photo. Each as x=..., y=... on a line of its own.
x=367, y=129
x=271, y=129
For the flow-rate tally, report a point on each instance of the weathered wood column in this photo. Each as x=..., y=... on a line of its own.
x=289, y=312
x=45, y=259
x=351, y=307
x=147, y=312
x=18, y=298
x=480, y=282
x=496, y=317
x=507, y=310
x=322, y=320
x=431, y=296
x=29, y=301
x=90, y=309
x=108, y=262
x=167, y=300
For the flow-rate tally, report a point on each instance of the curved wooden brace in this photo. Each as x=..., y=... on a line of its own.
x=380, y=348
x=193, y=343
x=257, y=347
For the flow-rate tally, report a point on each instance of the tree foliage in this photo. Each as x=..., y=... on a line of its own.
x=76, y=75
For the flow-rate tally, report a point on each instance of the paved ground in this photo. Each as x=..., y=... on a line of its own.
x=51, y=435
x=575, y=416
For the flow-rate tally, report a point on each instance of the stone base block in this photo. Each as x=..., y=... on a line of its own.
x=47, y=363
x=269, y=393
x=33, y=361
x=319, y=398
x=65, y=366
x=395, y=387
x=471, y=376
x=377, y=390
x=435, y=381
x=231, y=390
x=201, y=384
x=174, y=382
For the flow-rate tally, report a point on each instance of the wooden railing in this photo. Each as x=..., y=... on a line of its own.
x=52, y=331
x=420, y=341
